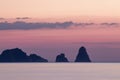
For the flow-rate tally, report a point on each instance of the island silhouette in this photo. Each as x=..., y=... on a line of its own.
x=61, y=58
x=82, y=55
x=17, y=55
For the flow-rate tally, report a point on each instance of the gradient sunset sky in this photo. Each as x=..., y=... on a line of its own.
x=68, y=24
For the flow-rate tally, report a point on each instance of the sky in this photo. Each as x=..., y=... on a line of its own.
x=51, y=27
x=59, y=8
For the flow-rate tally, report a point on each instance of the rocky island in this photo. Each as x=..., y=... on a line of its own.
x=17, y=55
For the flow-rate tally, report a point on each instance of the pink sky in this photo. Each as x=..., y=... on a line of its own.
x=102, y=42
x=59, y=8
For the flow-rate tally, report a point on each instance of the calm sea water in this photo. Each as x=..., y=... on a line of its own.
x=59, y=71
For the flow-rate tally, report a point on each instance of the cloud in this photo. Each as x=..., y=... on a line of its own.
x=21, y=25
x=22, y=18
x=109, y=24
x=2, y=18
x=84, y=24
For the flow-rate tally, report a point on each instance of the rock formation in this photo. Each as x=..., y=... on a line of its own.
x=17, y=55
x=61, y=58
x=82, y=55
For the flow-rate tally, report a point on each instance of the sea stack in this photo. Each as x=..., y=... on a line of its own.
x=82, y=55
x=61, y=58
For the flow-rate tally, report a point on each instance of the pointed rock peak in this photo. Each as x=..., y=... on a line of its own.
x=82, y=49
x=82, y=55
x=61, y=58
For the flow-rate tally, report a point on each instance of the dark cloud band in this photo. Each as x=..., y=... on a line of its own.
x=21, y=25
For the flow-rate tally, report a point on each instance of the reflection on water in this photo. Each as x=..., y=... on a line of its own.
x=59, y=71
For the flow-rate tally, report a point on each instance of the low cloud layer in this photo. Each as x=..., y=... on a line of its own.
x=2, y=18
x=110, y=24
x=20, y=25
x=27, y=26
x=22, y=18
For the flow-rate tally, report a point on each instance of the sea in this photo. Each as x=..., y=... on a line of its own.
x=59, y=71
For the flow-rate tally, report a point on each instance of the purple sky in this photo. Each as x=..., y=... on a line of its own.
x=101, y=40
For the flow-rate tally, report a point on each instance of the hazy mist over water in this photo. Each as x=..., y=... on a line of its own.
x=59, y=71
